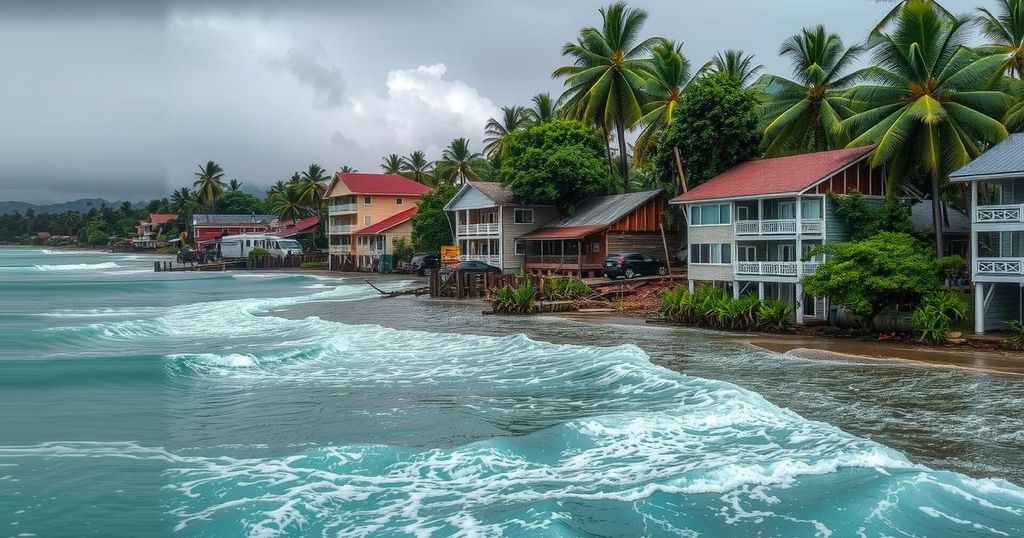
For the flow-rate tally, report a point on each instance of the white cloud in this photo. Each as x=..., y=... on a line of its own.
x=420, y=109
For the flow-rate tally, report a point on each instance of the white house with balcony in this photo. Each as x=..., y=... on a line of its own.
x=489, y=220
x=997, y=233
x=750, y=228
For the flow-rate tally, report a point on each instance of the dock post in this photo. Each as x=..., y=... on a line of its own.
x=156, y=266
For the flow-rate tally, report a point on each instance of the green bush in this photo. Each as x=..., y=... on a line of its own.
x=565, y=289
x=257, y=253
x=714, y=308
x=520, y=299
x=935, y=314
x=1016, y=341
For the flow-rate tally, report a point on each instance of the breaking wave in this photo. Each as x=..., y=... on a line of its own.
x=61, y=267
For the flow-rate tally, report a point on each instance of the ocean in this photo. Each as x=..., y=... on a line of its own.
x=135, y=403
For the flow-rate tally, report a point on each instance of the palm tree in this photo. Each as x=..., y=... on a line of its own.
x=738, y=64
x=346, y=169
x=459, y=164
x=234, y=185
x=417, y=168
x=670, y=75
x=1006, y=30
x=891, y=15
x=126, y=209
x=392, y=164
x=544, y=108
x=289, y=203
x=210, y=183
x=313, y=185
x=930, y=107
x=184, y=203
x=806, y=112
x=609, y=70
x=278, y=186
x=512, y=119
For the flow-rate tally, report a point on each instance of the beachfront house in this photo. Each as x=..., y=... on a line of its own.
x=578, y=244
x=147, y=228
x=358, y=201
x=749, y=227
x=379, y=239
x=488, y=220
x=208, y=227
x=996, y=179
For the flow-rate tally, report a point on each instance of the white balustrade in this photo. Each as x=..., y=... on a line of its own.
x=340, y=249
x=490, y=259
x=767, y=268
x=483, y=228
x=779, y=227
x=342, y=229
x=341, y=209
x=1000, y=266
x=999, y=213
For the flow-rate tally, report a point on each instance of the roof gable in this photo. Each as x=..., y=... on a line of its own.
x=777, y=175
x=1004, y=159
x=593, y=215
x=388, y=223
x=386, y=184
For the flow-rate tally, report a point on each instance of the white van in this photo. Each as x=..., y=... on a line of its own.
x=239, y=246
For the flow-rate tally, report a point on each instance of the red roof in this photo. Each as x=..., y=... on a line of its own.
x=388, y=223
x=301, y=226
x=162, y=218
x=380, y=184
x=779, y=175
x=566, y=232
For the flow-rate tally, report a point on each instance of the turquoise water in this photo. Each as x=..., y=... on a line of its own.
x=135, y=403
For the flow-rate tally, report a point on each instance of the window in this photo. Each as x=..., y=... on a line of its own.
x=810, y=209
x=520, y=248
x=367, y=220
x=786, y=253
x=595, y=246
x=711, y=253
x=746, y=253
x=786, y=210
x=399, y=201
x=367, y=200
x=523, y=216
x=248, y=242
x=742, y=212
x=709, y=215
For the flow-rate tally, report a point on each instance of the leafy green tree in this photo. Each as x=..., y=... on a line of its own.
x=930, y=107
x=669, y=77
x=737, y=64
x=391, y=164
x=430, y=225
x=289, y=204
x=184, y=202
x=892, y=215
x=402, y=250
x=605, y=81
x=715, y=128
x=239, y=202
x=512, y=119
x=877, y=273
x=806, y=112
x=418, y=168
x=459, y=164
x=209, y=183
x=558, y=162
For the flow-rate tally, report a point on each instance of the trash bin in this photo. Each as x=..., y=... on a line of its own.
x=386, y=263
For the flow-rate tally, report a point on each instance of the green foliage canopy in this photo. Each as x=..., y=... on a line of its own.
x=558, y=162
x=430, y=226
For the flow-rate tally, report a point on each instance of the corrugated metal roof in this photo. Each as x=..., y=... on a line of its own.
x=205, y=219
x=604, y=210
x=956, y=221
x=565, y=232
x=1005, y=158
x=495, y=191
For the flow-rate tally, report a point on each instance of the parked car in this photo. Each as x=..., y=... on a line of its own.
x=632, y=264
x=471, y=267
x=423, y=262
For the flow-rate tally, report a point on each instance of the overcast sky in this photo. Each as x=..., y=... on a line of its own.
x=125, y=99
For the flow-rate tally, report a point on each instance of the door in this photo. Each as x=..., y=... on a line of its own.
x=786, y=253
x=787, y=210
x=747, y=253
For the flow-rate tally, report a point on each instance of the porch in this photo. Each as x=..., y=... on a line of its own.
x=576, y=257
x=780, y=216
x=484, y=222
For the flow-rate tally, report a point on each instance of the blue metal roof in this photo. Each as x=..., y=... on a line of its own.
x=1004, y=159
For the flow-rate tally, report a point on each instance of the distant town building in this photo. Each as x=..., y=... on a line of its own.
x=208, y=227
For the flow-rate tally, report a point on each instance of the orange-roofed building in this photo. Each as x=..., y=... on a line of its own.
x=358, y=202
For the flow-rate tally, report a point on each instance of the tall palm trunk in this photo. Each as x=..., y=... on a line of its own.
x=608, y=149
x=624, y=166
x=937, y=214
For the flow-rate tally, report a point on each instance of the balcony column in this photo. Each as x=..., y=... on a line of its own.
x=760, y=290
x=979, y=307
x=974, y=230
x=735, y=289
x=501, y=237
x=798, y=302
x=457, y=224
x=760, y=215
x=798, y=254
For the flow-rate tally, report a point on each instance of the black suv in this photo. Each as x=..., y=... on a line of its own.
x=632, y=264
x=423, y=262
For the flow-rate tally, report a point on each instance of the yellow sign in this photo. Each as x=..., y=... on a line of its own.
x=450, y=254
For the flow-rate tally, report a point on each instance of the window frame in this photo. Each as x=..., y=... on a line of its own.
x=399, y=200
x=722, y=208
x=367, y=200
x=519, y=247
x=707, y=253
x=522, y=211
x=367, y=220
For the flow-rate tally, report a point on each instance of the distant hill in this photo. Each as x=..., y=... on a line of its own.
x=81, y=205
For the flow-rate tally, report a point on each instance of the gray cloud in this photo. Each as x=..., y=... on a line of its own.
x=125, y=98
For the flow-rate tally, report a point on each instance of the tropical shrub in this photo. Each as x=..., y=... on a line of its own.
x=1016, y=341
x=936, y=313
x=430, y=225
x=879, y=272
x=403, y=250
x=565, y=289
x=519, y=299
x=257, y=253
x=714, y=308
